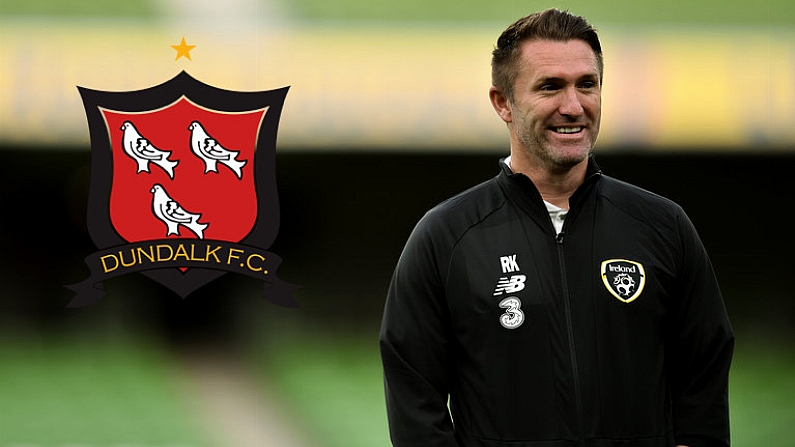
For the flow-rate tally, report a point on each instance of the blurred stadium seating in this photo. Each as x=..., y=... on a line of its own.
x=365, y=85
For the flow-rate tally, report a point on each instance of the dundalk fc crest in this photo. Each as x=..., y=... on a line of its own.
x=183, y=186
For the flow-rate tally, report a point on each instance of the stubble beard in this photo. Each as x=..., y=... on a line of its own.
x=543, y=151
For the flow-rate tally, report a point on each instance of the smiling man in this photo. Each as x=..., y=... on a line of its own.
x=553, y=111
x=554, y=306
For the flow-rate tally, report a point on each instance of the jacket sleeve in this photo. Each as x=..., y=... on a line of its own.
x=415, y=348
x=700, y=346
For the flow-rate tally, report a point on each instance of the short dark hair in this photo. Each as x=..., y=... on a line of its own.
x=552, y=24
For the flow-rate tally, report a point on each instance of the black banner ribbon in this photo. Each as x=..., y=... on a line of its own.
x=182, y=254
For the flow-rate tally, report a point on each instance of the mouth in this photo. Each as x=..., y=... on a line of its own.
x=568, y=130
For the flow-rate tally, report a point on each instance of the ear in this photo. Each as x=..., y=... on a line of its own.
x=501, y=104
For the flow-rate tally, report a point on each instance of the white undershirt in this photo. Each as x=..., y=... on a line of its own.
x=556, y=213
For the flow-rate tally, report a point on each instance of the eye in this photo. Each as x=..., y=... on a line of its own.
x=588, y=84
x=548, y=87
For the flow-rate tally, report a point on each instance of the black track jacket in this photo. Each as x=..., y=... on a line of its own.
x=612, y=333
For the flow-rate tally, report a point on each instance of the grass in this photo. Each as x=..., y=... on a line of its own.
x=334, y=384
x=77, y=8
x=737, y=12
x=120, y=392
x=96, y=393
x=762, y=395
x=629, y=12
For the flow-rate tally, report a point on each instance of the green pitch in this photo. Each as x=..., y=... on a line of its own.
x=95, y=393
x=123, y=392
x=762, y=395
x=335, y=384
x=628, y=12
x=76, y=8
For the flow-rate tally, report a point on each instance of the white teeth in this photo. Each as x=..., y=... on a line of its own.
x=568, y=129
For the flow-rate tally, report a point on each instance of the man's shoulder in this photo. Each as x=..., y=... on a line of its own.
x=465, y=209
x=637, y=201
x=619, y=189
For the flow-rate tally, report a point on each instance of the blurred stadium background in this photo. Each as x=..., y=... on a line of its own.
x=386, y=116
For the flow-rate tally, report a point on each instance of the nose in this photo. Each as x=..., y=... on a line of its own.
x=570, y=103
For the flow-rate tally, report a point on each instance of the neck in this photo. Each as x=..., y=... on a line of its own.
x=557, y=184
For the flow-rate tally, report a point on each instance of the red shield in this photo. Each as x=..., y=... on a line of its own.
x=226, y=204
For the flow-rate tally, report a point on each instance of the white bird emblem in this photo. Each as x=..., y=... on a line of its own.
x=209, y=150
x=173, y=215
x=143, y=152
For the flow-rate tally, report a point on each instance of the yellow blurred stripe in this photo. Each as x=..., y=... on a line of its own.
x=726, y=90
x=421, y=87
x=697, y=104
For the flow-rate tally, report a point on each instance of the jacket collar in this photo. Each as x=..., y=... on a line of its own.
x=523, y=191
x=592, y=174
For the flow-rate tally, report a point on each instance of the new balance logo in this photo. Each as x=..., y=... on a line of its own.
x=509, y=264
x=510, y=285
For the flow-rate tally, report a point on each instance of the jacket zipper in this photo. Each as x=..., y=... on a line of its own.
x=570, y=330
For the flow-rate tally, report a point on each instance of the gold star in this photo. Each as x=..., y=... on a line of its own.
x=183, y=49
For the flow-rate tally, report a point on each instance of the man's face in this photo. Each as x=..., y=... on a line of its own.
x=557, y=102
